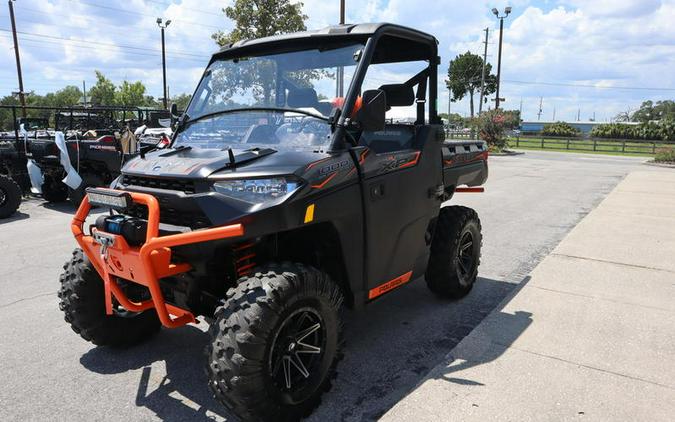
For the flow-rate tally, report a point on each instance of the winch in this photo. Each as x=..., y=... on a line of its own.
x=132, y=229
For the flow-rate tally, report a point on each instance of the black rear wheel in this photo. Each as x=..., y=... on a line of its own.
x=455, y=252
x=276, y=343
x=10, y=196
x=54, y=190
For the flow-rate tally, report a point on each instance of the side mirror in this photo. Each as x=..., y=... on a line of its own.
x=174, y=111
x=371, y=115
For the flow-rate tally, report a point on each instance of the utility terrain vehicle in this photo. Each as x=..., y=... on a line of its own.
x=289, y=190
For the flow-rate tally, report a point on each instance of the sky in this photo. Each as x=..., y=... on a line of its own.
x=583, y=57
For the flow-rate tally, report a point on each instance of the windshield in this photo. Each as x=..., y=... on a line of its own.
x=257, y=128
x=242, y=92
x=307, y=79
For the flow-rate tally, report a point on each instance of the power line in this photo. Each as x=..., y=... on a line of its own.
x=100, y=6
x=635, y=88
x=183, y=7
x=38, y=44
x=54, y=37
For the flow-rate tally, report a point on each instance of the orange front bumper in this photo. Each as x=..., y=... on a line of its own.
x=145, y=264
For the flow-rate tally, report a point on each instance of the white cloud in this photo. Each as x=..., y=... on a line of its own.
x=609, y=43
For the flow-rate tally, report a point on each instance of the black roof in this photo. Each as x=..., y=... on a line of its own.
x=337, y=32
x=398, y=43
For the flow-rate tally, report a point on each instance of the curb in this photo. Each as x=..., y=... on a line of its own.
x=506, y=153
x=663, y=165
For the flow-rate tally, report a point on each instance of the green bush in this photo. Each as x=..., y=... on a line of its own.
x=664, y=129
x=665, y=155
x=491, y=126
x=561, y=129
x=614, y=130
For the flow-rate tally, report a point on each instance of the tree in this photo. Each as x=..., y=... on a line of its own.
x=261, y=18
x=130, y=94
x=181, y=101
x=511, y=119
x=103, y=92
x=65, y=97
x=256, y=19
x=650, y=111
x=464, y=77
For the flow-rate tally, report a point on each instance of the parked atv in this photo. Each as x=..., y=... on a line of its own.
x=283, y=197
x=14, y=180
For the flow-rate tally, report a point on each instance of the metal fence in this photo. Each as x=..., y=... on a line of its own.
x=623, y=146
x=74, y=118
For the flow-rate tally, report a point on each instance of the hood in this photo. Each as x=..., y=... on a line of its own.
x=198, y=163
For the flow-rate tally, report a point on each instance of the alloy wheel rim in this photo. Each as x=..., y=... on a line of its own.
x=296, y=353
x=465, y=256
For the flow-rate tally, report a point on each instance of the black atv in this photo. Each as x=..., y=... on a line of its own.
x=13, y=175
x=290, y=189
x=14, y=179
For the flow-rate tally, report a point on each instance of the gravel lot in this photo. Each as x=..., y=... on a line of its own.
x=49, y=373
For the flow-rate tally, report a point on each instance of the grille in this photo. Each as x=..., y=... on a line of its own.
x=194, y=220
x=186, y=186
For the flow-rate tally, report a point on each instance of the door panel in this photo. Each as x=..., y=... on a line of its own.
x=399, y=205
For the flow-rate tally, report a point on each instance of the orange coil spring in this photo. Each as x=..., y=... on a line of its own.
x=244, y=258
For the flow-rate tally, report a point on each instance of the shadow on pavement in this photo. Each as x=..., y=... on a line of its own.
x=14, y=217
x=180, y=392
x=497, y=334
x=64, y=207
x=391, y=347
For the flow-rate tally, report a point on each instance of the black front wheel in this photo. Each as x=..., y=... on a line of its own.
x=275, y=344
x=82, y=301
x=455, y=252
x=10, y=196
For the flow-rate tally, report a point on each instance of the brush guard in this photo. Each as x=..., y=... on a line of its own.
x=113, y=258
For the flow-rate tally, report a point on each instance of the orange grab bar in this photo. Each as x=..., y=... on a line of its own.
x=146, y=264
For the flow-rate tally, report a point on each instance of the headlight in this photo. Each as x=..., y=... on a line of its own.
x=256, y=191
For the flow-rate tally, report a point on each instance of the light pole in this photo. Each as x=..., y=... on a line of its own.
x=507, y=11
x=162, y=28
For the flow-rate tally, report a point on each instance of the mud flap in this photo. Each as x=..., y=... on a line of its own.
x=72, y=179
x=34, y=171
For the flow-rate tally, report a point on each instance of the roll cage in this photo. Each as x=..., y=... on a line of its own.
x=384, y=43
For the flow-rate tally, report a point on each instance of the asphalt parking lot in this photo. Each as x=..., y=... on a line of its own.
x=531, y=202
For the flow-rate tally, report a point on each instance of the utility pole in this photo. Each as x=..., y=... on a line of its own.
x=84, y=92
x=342, y=12
x=22, y=98
x=482, y=77
x=507, y=11
x=541, y=100
x=521, y=107
x=341, y=70
x=163, y=27
x=554, y=113
x=579, y=114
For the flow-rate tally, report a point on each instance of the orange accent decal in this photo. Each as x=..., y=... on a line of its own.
x=317, y=162
x=389, y=285
x=479, y=189
x=362, y=158
x=325, y=182
x=412, y=162
x=146, y=264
